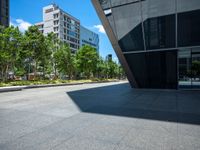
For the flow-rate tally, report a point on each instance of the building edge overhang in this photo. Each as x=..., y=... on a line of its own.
x=114, y=43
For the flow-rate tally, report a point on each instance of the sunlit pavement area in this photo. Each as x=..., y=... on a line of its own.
x=106, y=116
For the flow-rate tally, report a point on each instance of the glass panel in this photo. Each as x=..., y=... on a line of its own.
x=189, y=28
x=160, y=32
x=154, y=69
x=196, y=68
x=184, y=56
x=159, y=23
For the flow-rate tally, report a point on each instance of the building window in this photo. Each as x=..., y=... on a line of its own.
x=69, y=20
x=55, y=16
x=55, y=29
x=56, y=22
x=189, y=28
x=65, y=18
x=160, y=32
x=49, y=10
x=73, y=22
x=73, y=45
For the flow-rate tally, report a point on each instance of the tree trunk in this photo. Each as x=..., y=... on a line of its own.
x=43, y=72
x=35, y=70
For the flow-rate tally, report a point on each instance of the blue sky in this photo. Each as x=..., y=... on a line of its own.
x=26, y=12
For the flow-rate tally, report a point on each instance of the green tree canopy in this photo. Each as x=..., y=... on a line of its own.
x=86, y=60
x=64, y=60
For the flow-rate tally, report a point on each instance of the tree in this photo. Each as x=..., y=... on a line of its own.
x=35, y=45
x=112, y=69
x=10, y=44
x=86, y=59
x=53, y=44
x=64, y=60
x=101, y=68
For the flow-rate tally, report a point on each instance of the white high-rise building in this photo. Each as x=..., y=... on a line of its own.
x=65, y=26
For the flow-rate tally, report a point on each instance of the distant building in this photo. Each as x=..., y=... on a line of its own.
x=4, y=13
x=65, y=26
x=88, y=37
x=109, y=57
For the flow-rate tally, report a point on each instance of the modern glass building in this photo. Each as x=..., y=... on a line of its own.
x=88, y=37
x=157, y=41
x=4, y=12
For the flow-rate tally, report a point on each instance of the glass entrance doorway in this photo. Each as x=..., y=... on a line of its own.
x=189, y=68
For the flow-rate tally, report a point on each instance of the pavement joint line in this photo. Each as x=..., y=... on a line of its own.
x=41, y=128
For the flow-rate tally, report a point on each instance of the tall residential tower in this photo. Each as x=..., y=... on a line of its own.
x=67, y=28
x=4, y=13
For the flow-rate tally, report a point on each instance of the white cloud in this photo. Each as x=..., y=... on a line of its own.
x=100, y=28
x=21, y=24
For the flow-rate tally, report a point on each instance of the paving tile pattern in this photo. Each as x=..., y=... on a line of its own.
x=107, y=116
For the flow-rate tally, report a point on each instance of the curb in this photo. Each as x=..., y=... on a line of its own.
x=12, y=89
x=20, y=88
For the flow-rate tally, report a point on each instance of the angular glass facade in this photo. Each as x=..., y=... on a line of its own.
x=150, y=36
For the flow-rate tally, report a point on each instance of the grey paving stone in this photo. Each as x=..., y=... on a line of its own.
x=14, y=131
x=4, y=112
x=149, y=139
x=41, y=139
x=110, y=133
x=5, y=123
x=84, y=144
x=40, y=121
x=188, y=143
x=189, y=130
x=72, y=124
x=18, y=116
x=125, y=147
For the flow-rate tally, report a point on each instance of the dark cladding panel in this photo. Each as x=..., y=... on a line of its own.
x=112, y=24
x=189, y=28
x=156, y=8
x=115, y=3
x=187, y=5
x=105, y=4
x=128, y=23
x=155, y=69
x=160, y=32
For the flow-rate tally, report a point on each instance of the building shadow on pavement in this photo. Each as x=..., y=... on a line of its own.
x=122, y=100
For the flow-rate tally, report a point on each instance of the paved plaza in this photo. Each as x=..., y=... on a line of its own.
x=106, y=116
